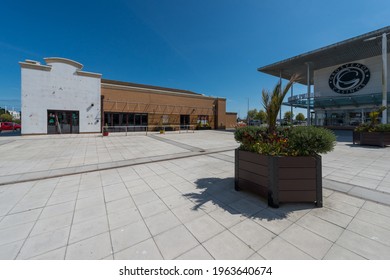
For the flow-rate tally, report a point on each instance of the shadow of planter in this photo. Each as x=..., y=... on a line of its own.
x=280, y=179
x=380, y=139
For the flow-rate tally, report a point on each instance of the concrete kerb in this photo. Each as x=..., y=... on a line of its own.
x=356, y=191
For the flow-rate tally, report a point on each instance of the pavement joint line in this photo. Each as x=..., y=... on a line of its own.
x=75, y=170
x=177, y=144
x=6, y=142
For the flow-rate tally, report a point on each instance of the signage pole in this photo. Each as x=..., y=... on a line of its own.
x=291, y=107
x=308, y=121
x=384, y=77
x=280, y=81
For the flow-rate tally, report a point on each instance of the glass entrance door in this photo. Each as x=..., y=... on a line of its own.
x=62, y=122
x=184, y=121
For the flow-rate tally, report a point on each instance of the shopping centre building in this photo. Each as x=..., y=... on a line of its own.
x=59, y=97
x=345, y=81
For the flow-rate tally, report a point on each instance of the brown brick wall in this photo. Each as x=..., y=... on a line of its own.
x=156, y=104
x=220, y=105
x=231, y=120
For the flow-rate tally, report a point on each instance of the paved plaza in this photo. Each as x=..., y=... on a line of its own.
x=172, y=196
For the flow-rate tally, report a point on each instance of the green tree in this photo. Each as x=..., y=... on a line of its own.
x=300, y=117
x=288, y=116
x=3, y=111
x=252, y=114
x=272, y=102
x=5, y=118
x=262, y=116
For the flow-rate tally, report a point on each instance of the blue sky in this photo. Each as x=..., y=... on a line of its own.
x=207, y=46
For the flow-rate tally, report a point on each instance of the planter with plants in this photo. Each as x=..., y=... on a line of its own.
x=203, y=126
x=105, y=130
x=373, y=133
x=282, y=164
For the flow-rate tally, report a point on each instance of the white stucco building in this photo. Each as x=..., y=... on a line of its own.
x=59, y=97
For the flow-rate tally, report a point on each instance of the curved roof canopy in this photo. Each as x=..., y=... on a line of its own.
x=360, y=47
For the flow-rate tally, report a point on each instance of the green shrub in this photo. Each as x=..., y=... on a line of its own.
x=382, y=128
x=368, y=127
x=286, y=141
x=310, y=140
x=248, y=136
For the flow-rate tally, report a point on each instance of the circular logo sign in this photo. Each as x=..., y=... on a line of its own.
x=349, y=78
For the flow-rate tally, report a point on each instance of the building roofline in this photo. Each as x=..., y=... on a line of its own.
x=143, y=86
x=34, y=65
x=356, y=48
x=73, y=63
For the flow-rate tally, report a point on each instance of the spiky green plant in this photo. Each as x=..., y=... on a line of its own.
x=272, y=102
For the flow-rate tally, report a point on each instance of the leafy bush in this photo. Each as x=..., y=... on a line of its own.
x=310, y=140
x=290, y=141
x=368, y=127
x=373, y=125
x=248, y=136
x=382, y=128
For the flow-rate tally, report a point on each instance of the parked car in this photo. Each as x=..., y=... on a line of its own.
x=9, y=126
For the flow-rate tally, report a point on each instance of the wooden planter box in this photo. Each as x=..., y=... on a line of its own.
x=280, y=179
x=380, y=139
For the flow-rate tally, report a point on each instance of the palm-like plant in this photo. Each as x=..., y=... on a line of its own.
x=272, y=102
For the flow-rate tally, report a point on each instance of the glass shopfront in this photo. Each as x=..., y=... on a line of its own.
x=346, y=117
x=125, y=119
x=62, y=122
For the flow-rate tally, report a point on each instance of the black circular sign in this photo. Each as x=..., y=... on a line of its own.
x=349, y=78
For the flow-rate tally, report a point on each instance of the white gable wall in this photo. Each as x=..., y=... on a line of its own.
x=60, y=88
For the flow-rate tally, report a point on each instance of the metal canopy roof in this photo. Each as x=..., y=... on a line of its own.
x=333, y=102
x=345, y=51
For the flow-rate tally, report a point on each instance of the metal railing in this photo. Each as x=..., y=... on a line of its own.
x=145, y=129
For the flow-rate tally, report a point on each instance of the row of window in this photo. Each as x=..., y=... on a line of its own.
x=139, y=119
x=125, y=119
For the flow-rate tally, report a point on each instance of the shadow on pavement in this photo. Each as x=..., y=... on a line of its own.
x=10, y=133
x=221, y=192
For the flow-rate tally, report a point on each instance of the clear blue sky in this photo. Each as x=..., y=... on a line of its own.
x=207, y=46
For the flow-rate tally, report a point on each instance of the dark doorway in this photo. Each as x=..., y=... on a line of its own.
x=62, y=122
x=184, y=121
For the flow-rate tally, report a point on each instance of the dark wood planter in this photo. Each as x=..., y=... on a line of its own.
x=380, y=139
x=280, y=179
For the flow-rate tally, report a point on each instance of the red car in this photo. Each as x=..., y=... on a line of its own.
x=9, y=126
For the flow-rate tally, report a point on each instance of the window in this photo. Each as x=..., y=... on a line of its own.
x=125, y=119
x=165, y=119
x=203, y=121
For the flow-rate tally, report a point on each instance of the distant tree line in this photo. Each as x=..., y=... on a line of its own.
x=262, y=116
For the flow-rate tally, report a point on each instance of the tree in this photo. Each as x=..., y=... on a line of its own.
x=262, y=116
x=288, y=116
x=252, y=114
x=272, y=102
x=3, y=111
x=300, y=117
x=5, y=118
